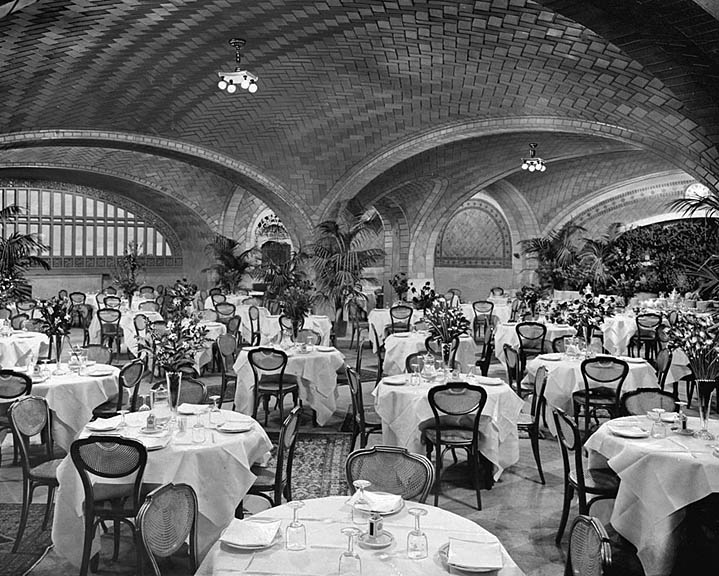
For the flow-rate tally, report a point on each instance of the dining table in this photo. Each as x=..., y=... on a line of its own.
x=398, y=346
x=379, y=319
x=500, y=313
x=316, y=370
x=218, y=467
x=324, y=519
x=506, y=333
x=659, y=478
x=402, y=407
x=271, y=331
x=18, y=347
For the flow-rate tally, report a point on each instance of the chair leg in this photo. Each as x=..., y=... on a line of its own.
x=568, y=496
x=87, y=545
x=534, y=438
x=115, y=540
x=26, y=499
x=48, y=506
x=474, y=467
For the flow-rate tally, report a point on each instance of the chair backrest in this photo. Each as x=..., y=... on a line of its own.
x=251, y=301
x=149, y=306
x=663, y=363
x=166, y=520
x=33, y=325
x=570, y=444
x=558, y=344
x=225, y=311
x=85, y=312
x=589, y=552
x=192, y=391
x=355, y=386
x=355, y=312
x=483, y=308
x=434, y=347
x=17, y=321
x=233, y=325
x=457, y=399
x=5, y=313
x=218, y=298
x=309, y=336
x=538, y=398
x=108, y=457
x=267, y=360
x=30, y=416
x=215, y=290
x=13, y=385
x=78, y=297
x=112, y=301
x=110, y=290
x=391, y=469
x=140, y=321
x=108, y=316
x=400, y=316
x=286, y=452
x=640, y=401
x=497, y=291
x=130, y=376
x=604, y=371
x=159, y=289
x=26, y=305
x=647, y=324
x=531, y=337
x=62, y=293
x=253, y=314
x=147, y=291
x=98, y=353
x=414, y=358
x=514, y=367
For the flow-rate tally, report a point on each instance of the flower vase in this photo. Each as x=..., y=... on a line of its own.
x=174, y=386
x=446, y=349
x=705, y=391
x=54, y=344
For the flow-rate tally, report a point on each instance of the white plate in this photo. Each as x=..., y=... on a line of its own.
x=103, y=424
x=634, y=360
x=443, y=554
x=152, y=431
x=629, y=431
x=552, y=356
x=234, y=427
x=401, y=334
x=324, y=348
x=485, y=381
x=397, y=380
x=100, y=373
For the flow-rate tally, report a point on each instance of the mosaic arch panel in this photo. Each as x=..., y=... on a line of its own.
x=86, y=227
x=476, y=236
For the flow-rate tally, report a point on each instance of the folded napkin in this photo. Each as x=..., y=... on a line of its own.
x=155, y=442
x=104, y=424
x=235, y=426
x=483, y=554
x=489, y=381
x=250, y=533
x=378, y=501
x=187, y=408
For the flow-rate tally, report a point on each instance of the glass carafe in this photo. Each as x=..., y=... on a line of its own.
x=161, y=405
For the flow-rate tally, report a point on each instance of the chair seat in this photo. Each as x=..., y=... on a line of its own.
x=104, y=492
x=265, y=481
x=525, y=420
x=46, y=470
x=452, y=436
x=600, y=481
x=597, y=395
x=271, y=383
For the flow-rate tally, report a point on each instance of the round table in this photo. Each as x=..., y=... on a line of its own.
x=316, y=371
x=506, y=333
x=379, y=319
x=324, y=518
x=659, y=478
x=399, y=346
x=271, y=328
x=403, y=407
x=16, y=349
x=218, y=469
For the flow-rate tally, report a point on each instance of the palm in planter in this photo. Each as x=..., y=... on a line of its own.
x=340, y=256
x=296, y=302
x=231, y=262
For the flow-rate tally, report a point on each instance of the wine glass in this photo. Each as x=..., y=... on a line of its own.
x=295, y=535
x=122, y=412
x=416, y=539
x=350, y=564
x=216, y=417
x=361, y=506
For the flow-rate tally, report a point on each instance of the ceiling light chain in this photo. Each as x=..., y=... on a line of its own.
x=533, y=163
x=246, y=80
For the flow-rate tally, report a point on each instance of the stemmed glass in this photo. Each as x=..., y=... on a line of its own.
x=216, y=418
x=416, y=539
x=415, y=377
x=122, y=412
x=295, y=535
x=350, y=564
x=360, y=516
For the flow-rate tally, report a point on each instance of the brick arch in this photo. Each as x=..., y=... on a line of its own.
x=271, y=191
x=396, y=236
x=363, y=173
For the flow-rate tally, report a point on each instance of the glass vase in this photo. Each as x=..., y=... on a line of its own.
x=174, y=386
x=705, y=391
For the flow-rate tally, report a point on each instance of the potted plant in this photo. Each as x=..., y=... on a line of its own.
x=127, y=272
x=55, y=321
x=18, y=253
x=296, y=303
x=400, y=285
x=585, y=314
x=445, y=324
x=423, y=298
x=232, y=263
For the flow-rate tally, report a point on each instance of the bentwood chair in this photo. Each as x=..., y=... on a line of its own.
x=457, y=408
x=62, y=294
x=253, y=314
x=274, y=482
x=268, y=367
x=515, y=310
x=215, y=290
x=17, y=321
x=603, y=378
x=26, y=307
x=77, y=298
x=227, y=351
x=233, y=326
x=121, y=463
x=497, y=291
x=192, y=391
x=391, y=469
x=217, y=298
x=434, y=347
x=129, y=379
x=589, y=552
x=515, y=372
x=358, y=319
x=166, y=521
x=646, y=335
x=84, y=313
x=365, y=420
x=400, y=318
x=112, y=301
x=663, y=362
x=29, y=417
x=148, y=306
x=110, y=331
x=98, y=353
x=487, y=353
x=309, y=336
x=530, y=422
x=110, y=290
x=140, y=322
x=531, y=340
x=146, y=291
x=640, y=401
x=483, y=310
x=558, y=344
x=13, y=385
x=286, y=326
x=601, y=483
x=225, y=311
x=208, y=315
x=416, y=358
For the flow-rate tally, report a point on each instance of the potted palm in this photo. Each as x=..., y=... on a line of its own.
x=232, y=263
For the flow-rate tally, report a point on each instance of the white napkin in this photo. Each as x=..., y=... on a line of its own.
x=489, y=381
x=104, y=424
x=235, y=426
x=478, y=555
x=250, y=533
x=187, y=408
x=378, y=501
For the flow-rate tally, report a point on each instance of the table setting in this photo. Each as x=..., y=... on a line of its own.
x=399, y=346
x=18, y=346
x=332, y=535
x=506, y=333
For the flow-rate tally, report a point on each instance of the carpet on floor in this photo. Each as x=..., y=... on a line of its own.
x=34, y=542
x=318, y=470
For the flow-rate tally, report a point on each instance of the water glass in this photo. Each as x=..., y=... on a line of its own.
x=360, y=510
x=215, y=417
x=198, y=432
x=659, y=428
x=416, y=539
x=181, y=425
x=350, y=563
x=295, y=535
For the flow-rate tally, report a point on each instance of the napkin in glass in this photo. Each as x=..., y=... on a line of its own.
x=378, y=501
x=250, y=533
x=482, y=554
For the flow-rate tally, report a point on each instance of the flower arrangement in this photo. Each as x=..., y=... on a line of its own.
x=424, y=298
x=698, y=337
x=56, y=316
x=176, y=344
x=296, y=302
x=400, y=285
x=445, y=322
x=530, y=295
x=128, y=270
x=181, y=295
x=585, y=313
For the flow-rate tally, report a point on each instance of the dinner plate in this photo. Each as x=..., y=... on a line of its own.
x=397, y=380
x=99, y=373
x=401, y=334
x=101, y=425
x=443, y=554
x=484, y=381
x=152, y=431
x=234, y=427
x=629, y=431
x=324, y=348
x=552, y=356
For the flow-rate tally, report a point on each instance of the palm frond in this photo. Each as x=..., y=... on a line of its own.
x=691, y=206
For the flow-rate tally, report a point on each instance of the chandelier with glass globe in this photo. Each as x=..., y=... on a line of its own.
x=533, y=163
x=246, y=80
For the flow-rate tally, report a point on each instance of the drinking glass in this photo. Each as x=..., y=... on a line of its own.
x=122, y=412
x=216, y=418
x=144, y=403
x=659, y=428
x=295, y=535
x=416, y=539
x=198, y=432
x=350, y=564
x=360, y=516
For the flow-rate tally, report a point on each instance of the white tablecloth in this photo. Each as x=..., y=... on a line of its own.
x=73, y=397
x=399, y=346
x=218, y=470
x=271, y=328
x=659, y=478
x=15, y=350
x=506, y=333
x=500, y=313
x=235, y=299
x=317, y=373
x=379, y=318
x=402, y=408
x=324, y=519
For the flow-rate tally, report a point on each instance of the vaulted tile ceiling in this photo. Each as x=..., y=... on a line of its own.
x=356, y=100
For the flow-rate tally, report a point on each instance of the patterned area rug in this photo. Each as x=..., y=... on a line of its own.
x=318, y=470
x=34, y=542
